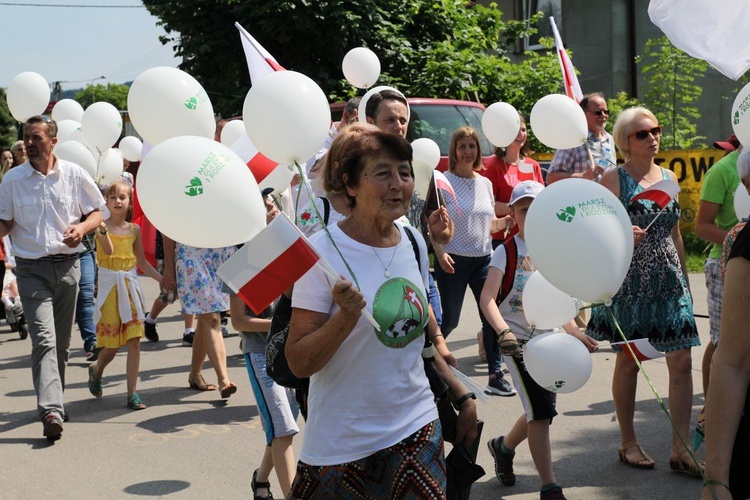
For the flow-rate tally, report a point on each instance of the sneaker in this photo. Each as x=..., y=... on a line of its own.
x=92, y=354
x=224, y=331
x=503, y=462
x=555, y=493
x=150, y=331
x=500, y=387
x=52, y=426
x=187, y=339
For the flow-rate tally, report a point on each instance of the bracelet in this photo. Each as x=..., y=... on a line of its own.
x=502, y=334
x=462, y=399
x=103, y=232
x=438, y=335
x=716, y=483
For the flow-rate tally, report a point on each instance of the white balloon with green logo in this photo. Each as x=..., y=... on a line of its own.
x=580, y=238
x=558, y=362
x=544, y=306
x=199, y=192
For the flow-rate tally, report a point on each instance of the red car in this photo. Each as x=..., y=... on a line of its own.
x=437, y=119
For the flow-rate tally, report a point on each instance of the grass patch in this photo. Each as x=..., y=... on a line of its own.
x=695, y=256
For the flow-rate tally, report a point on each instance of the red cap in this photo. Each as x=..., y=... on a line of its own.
x=729, y=145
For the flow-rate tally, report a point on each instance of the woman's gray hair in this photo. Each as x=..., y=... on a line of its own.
x=743, y=166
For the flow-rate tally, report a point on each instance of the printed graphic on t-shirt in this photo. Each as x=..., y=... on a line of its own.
x=400, y=308
x=524, y=268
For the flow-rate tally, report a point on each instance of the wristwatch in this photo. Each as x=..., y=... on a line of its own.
x=103, y=231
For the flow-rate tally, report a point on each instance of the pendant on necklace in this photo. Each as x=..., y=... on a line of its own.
x=387, y=273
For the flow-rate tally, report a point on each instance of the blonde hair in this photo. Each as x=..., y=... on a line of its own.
x=459, y=134
x=112, y=189
x=624, y=127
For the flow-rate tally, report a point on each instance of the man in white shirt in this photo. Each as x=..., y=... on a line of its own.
x=41, y=205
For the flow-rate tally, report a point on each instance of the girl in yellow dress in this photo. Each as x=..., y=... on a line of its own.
x=119, y=312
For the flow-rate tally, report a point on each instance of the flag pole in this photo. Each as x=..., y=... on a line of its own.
x=657, y=216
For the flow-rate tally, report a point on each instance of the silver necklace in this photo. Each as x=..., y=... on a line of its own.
x=387, y=272
x=387, y=268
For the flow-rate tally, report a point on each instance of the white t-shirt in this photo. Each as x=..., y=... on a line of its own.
x=373, y=392
x=42, y=207
x=511, y=309
x=472, y=221
x=308, y=221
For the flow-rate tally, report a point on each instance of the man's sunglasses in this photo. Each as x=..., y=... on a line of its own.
x=600, y=112
x=643, y=134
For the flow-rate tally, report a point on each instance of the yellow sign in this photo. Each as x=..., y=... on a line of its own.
x=689, y=165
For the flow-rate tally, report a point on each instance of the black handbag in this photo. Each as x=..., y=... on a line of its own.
x=277, y=366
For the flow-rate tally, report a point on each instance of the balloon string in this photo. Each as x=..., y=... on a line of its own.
x=658, y=398
x=322, y=221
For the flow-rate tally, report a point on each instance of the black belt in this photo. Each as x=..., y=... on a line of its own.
x=58, y=257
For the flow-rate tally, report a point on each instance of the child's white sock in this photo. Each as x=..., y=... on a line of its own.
x=189, y=331
x=149, y=319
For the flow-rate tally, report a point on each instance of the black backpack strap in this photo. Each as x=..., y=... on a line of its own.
x=414, y=245
x=326, y=209
x=511, y=262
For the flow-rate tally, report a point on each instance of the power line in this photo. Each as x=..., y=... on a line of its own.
x=72, y=6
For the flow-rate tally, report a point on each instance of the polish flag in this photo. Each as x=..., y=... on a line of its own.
x=642, y=349
x=442, y=182
x=259, y=63
x=660, y=193
x=570, y=80
x=268, y=264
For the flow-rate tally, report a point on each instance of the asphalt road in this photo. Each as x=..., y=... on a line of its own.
x=188, y=444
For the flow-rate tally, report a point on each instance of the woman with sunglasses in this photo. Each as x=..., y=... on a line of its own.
x=654, y=301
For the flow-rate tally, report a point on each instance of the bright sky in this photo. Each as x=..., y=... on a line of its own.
x=76, y=45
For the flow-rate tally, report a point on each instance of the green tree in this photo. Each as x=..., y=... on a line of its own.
x=617, y=105
x=672, y=91
x=430, y=48
x=113, y=93
x=8, y=124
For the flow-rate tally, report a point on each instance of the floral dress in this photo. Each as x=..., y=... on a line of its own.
x=111, y=332
x=654, y=300
x=197, y=282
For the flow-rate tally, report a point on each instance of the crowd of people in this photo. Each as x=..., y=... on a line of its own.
x=387, y=311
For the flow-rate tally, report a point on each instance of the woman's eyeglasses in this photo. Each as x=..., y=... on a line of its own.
x=643, y=134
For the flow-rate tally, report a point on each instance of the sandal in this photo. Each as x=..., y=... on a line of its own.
x=95, y=384
x=228, y=390
x=135, y=402
x=642, y=461
x=199, y=384
x=254, y=485
x=687, y=466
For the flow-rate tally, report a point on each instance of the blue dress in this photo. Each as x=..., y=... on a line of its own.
x=653, y=301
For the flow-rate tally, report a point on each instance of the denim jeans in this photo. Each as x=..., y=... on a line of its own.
x=85, y=302
x=434, y=299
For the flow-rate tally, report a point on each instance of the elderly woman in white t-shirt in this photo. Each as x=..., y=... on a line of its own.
x=370, y=404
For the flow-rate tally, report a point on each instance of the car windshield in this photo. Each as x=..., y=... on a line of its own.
x=438, y=122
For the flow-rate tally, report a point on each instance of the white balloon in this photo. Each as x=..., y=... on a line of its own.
x=232, y=131
x=287, y=116
x=558, y=362
x=199, y=192
x=741, y=115
x=109, y=168
x=69, y=130
x=279, y=179
x=28, y=95
x=361, y=67
x=427, y=151
x=741, y=202
x=67, y=109
x=166, y=102
x=559, y=122
x=131, y=147
x=77, y=153
x=544, y=306
x=580, y=238
x=101, y=125
x=501, y=124
x=363, y=102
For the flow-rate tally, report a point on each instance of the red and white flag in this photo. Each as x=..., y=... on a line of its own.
x=570, y=80
x=642, y=349
x=271, y=262
x=259, y=63
x=442, y=182
x=660, y=193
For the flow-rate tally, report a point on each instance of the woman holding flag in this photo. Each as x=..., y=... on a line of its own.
x=370, y=404
x=654, y=301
